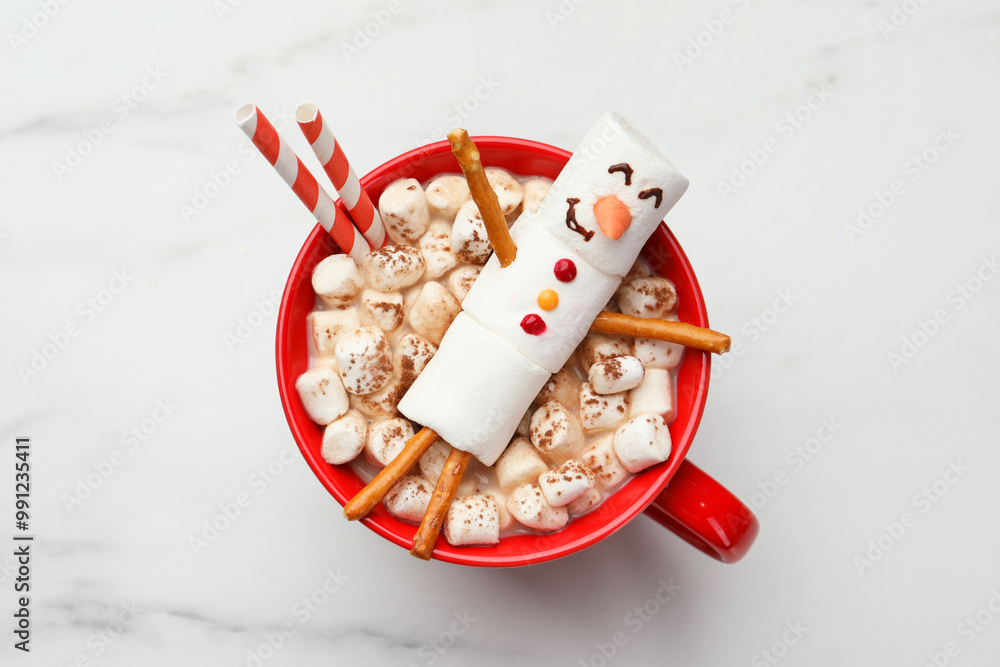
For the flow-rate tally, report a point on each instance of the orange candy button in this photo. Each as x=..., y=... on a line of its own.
x=548, y=299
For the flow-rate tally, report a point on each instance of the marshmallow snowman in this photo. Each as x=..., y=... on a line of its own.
x=528, y=318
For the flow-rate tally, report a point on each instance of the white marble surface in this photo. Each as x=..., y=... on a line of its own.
x=191, y=279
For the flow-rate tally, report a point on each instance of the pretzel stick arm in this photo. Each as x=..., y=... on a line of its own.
x=367, y=498
x=486, y=200
x=444, y=493
x=672, y=332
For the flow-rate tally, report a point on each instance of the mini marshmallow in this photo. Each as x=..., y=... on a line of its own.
x=529, y=507
x=337, y=280
x=328, y=326
x=509, y=192
x=535, y=190
x=564, y=484
x=602, y=411
x=344, y=438
x=322, y=394
x=408, y=498
x=364, y=360
x=642, y=442
x=403, y=207
x=435, y=248
x=519, y=464
x=412, y=354
x=432, y=461
x=601, y=459
x=474, y=390
x=472, y=520
x=562, y=387
x=386, y=440
x=382, y=309
x=588, y=501
x=555, y=432
x=602, y=347
x=658, y=353
x=651, y=296
x=469, y=240
x=393, y=267
x=433, y=311
x=446, y=194
x=460, y=280
x=655, y=394
x=616, y=374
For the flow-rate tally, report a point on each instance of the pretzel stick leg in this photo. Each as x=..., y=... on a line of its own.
x=444, y=493
x=486, y=200
x=672, y=332
x=367, y=498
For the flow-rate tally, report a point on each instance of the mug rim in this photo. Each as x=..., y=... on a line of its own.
x=336, y=478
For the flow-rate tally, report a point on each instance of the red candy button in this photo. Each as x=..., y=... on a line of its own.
x=565, y=270
x=533, y=324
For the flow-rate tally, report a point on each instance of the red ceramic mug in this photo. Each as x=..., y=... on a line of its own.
x=675, y=493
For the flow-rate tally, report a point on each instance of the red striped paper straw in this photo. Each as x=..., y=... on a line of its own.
x=288, y=165
x=335, y=164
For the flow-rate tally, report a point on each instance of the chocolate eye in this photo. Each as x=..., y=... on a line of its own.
x=624, y=168
x=653, y=192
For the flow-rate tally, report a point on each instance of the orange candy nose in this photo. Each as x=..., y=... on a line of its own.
x=613, y=217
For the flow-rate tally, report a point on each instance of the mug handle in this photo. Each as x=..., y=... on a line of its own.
x=705, y=514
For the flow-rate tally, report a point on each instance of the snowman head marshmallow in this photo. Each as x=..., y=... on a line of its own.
x=611, y=195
